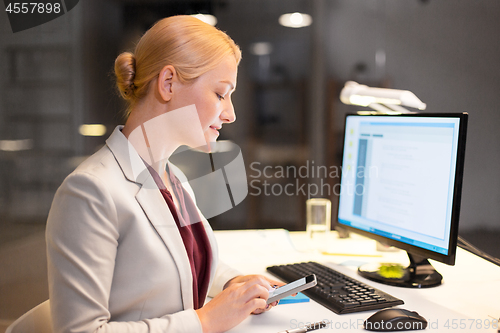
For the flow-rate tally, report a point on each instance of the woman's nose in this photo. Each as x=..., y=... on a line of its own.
x=228, y=115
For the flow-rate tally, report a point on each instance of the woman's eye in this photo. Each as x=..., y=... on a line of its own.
x=220, y=97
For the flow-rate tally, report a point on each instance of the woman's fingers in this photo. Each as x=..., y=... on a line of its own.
x=258, y=289
x=258, y=296
x=267, y=308
x=252, y=291
x=257, y=305
x=248, y=278
x=275, y=282
x=232, y=305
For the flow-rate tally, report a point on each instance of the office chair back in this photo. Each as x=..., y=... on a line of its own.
x=36, y=320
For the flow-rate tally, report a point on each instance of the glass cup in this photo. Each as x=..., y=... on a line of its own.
x=319, y=213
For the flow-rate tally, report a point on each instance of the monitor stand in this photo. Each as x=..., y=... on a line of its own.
x=419, y=274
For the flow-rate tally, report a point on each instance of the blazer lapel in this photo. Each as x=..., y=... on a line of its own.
x=159, y=215
x=155, y=208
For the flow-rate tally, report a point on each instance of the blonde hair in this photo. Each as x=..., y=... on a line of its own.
x=191, y=46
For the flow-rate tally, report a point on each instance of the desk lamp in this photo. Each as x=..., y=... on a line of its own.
x=382, y=100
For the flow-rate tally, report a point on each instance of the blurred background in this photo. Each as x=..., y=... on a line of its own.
x=56, y=77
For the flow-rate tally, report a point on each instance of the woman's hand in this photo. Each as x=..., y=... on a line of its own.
x=241, y=296
x=245, y=278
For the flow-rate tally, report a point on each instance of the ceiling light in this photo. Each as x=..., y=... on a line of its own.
x=295, y=20
x=16, y=145
x=207, y=18
x=261, y=48
x=92, y=129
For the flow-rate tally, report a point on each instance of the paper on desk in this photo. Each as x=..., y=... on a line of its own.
x=259, y=241
x=351, y=247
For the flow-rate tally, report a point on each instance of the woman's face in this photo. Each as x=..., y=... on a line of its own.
x=211, y=94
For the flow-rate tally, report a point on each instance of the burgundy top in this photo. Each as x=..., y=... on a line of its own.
x=193, y=234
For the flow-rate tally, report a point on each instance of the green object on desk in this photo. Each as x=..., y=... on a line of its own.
x=300, y=298
x=391, y=271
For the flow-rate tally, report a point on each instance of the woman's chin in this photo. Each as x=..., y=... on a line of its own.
x=211, y=146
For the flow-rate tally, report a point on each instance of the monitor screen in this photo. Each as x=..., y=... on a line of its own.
x=401, y=180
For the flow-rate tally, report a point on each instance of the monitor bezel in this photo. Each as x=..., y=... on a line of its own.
x=449, y=258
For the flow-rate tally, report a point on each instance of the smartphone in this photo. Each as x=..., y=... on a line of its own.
x=292, y=288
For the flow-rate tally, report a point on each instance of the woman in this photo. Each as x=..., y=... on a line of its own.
x=128, y=251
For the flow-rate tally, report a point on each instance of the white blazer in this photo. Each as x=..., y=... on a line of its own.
x=116, y=260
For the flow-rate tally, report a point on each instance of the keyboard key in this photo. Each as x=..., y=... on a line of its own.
x=351, y=304
x=368, y=302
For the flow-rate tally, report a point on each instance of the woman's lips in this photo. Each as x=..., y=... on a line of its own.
x=215, y=129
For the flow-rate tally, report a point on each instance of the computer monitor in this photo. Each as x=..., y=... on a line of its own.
x=401, y=185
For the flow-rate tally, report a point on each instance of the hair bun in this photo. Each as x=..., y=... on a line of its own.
x=125, y=75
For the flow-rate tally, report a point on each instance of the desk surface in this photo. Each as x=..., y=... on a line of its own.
x=467, y=301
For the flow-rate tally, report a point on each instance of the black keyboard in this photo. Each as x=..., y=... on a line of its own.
x=336, y=291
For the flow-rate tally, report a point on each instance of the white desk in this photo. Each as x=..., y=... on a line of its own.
x=467, y=301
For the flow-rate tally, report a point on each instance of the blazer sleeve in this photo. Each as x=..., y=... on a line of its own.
x=82, y=240
x=223, y=274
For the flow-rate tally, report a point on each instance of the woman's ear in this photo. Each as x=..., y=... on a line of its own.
x=165, y=80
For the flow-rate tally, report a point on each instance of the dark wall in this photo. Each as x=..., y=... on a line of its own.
x=448, y=53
